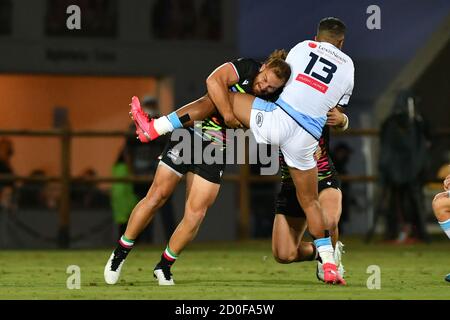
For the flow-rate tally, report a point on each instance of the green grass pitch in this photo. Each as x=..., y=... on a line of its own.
x=238, y=270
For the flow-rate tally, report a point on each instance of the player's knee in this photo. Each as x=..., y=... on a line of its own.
x=284, y=256
x=156, y=197
x=282, y=259
x=441, y=208
x=194, y=216
x=332, y=224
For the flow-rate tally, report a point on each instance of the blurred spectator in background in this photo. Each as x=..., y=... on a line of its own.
x=6, y=187
x=86, y=194
x=52, y=195
x=123, y=198
x=341, y=156
x=32, y=193
x=404, y=145
x=143, y=159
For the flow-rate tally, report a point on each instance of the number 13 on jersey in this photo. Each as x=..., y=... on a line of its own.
x=318, y=80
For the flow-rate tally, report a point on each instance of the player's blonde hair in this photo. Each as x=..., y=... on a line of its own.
x=276, y=62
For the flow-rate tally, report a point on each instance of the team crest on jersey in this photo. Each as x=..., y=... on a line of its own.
x=259, y=119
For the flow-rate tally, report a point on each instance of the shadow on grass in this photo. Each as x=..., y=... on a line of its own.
x=247, y=283
x=241, y=283
x=203, y=282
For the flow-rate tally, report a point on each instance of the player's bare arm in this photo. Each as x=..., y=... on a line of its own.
x=217, y=84
x=215, y=100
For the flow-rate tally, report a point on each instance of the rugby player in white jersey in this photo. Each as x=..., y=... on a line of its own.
x=289, y=224
x=322, y=77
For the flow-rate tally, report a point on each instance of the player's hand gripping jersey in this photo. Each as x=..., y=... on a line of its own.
x=322, y=77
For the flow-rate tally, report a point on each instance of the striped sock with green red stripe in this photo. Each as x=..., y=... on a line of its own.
x=126, y=243
x=168, y=257
x=122, y=250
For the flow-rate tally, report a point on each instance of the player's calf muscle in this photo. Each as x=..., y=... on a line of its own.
x=317, y=221
x=139, y=219
x=197, y=110
x=332, y=217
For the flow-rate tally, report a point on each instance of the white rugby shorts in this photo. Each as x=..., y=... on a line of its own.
x=272, y=125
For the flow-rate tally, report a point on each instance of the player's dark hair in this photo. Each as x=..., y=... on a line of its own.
x=332, y=26
x=276, y=62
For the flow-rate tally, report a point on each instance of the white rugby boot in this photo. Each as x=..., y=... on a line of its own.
x=113, y=268
x=338, y=251
x=163, y=275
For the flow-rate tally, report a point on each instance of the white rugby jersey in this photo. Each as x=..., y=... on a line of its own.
x=321, y=78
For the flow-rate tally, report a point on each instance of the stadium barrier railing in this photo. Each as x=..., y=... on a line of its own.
x=243, y=179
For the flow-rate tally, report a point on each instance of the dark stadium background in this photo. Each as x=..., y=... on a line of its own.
x=64, y=98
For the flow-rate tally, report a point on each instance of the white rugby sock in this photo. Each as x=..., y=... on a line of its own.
x=325, y=250
x=162, y=125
